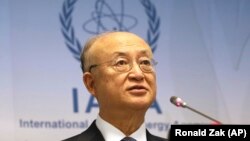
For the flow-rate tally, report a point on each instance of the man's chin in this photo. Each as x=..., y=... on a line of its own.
x=141, y=105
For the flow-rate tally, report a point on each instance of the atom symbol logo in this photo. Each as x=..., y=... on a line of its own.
x=106, y=19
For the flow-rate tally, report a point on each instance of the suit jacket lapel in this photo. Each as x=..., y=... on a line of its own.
x=91, y=134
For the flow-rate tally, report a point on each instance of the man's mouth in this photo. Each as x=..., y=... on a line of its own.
x=137, y=89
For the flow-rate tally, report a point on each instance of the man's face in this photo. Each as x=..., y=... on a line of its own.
x=116, y=90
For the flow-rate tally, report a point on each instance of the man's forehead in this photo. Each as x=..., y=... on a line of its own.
x=118, y=43
x=125, y=53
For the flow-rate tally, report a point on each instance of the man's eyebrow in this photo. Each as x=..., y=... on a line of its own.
x=145, y=52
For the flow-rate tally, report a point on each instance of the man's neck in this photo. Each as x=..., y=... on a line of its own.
x=127, y=123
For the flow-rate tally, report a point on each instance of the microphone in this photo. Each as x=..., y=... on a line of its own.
x=180, y=103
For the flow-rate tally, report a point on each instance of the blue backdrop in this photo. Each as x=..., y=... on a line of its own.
x=202, y=48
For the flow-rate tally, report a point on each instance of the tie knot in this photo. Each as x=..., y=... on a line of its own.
x=128, y=139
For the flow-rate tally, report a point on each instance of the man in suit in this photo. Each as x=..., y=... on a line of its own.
x=118, y=70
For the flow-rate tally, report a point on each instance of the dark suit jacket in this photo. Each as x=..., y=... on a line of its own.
x=93, y=134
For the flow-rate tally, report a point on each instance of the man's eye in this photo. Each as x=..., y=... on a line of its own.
x=146, y=62
x=121, y=62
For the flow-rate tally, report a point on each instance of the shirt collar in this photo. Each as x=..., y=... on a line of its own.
x=110, y=132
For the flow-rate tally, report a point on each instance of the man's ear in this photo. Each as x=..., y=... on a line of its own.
x=89, y=81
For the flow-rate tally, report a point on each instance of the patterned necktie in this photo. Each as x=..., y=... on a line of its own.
x=128, y=139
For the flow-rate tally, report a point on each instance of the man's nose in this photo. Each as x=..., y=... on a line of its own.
x=136, y=72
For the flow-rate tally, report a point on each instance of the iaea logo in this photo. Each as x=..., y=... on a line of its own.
x=104, y=18
x=102, y=14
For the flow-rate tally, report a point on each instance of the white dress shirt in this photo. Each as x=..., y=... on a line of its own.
x=111, y=133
